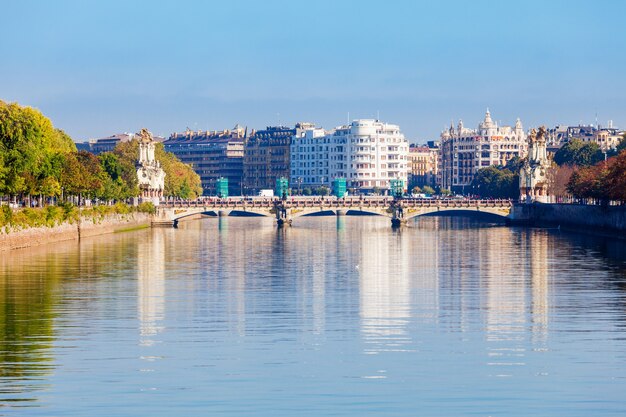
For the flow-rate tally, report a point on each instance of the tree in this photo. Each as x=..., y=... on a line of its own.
x=587, y=182
x=20, y=145
x=515, y=164
x=116, y=187
x=72, y=175
x=416, y=190
x=111, y=165
x=579, y=153
x=616, y=177
x=322, y=190
x=558, y=178
x=621, y=146
x=95, y=177
x=428, y=190
x=30, y=151
x=496, y=182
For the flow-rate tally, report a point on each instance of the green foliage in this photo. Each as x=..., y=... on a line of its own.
x=64, y=213
x=622, y=145
x=579, y=153
x=416, y=190
x=322, y=190
x=31, y=151
x=496, y=182
x=445, y=192
x=38, y=159
x=146, y=207
x=515, y=164
x=6, y=215
x=70, y=212
x=111, y=165
x=428, y=190
x=307, y=191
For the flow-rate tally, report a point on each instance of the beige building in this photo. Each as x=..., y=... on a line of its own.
x=423, y=165
x=464, y=151
x=607, y=139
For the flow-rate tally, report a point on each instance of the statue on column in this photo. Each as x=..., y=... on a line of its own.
x=150, y=175
x=533, y=178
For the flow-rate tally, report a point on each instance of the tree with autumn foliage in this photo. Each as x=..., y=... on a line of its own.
x=616, y=179
x=604, y=181
x=558, y=178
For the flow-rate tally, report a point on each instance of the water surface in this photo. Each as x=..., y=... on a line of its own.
x=333, y=316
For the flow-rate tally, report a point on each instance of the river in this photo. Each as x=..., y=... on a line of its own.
x=333, y=316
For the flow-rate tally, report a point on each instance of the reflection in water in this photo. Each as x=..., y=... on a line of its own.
x=151, y=285
x=505, y=286
x=385, y=288
x=538, y=258
x=28, y=283
x=330, y=316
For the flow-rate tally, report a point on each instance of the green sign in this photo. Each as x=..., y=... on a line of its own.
x=396, y=187
x=282, y=187
x=221, y=187
x=339, y=187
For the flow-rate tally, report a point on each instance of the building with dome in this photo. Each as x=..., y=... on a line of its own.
x=464, y=151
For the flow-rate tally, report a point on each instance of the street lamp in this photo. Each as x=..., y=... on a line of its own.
x=299, y=181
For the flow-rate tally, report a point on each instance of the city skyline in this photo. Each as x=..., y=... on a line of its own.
x=98, y=69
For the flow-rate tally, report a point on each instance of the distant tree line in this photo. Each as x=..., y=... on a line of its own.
x=40, y=161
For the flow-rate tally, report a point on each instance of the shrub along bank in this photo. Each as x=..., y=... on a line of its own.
x=52, y=216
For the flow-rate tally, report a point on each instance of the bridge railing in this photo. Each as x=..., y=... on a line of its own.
x=331, y=202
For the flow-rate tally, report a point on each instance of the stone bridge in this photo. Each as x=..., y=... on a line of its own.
x=398, y=210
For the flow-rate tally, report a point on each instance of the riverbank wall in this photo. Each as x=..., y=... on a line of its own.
x=591, y=219
x=85, y=227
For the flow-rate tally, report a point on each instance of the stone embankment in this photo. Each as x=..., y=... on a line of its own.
x=86, y=227
x=595, y=219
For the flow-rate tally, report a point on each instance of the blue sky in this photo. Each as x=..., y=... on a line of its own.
x=97, y=68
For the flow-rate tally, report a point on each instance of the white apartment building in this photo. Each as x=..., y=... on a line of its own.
x=310, y=164
x=367, y=153
x=464, y=151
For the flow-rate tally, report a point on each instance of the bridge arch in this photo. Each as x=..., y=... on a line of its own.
x=495, y=212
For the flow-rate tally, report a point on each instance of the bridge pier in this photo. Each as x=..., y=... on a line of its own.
x=340, y=212
x=282, y=216
x=397, y=214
